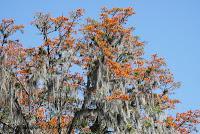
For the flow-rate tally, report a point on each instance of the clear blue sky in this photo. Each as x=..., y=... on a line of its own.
x=171, y=28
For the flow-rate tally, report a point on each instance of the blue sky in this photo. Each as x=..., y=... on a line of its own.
x=171, y=28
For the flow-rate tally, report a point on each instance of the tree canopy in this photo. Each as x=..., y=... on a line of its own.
x=87, y=77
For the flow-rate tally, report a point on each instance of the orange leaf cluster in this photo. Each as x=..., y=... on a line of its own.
x=53, y=122
x=23, y=72
x=106, y=42
x=23, y=98
x=15, y=54
x=167, y=102
x=40, y=113
x=118, y=95
x=120, y=70
x=183, y=122
x=59, y=19
x=170, y=122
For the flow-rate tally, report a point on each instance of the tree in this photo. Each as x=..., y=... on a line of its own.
x=89, y=78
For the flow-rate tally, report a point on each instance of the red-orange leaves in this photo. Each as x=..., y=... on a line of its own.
x=86, y=61
x=187, y=120
x=51, y=43
x=140, y=63
x=23, y=98
x=59, y=20
x=167, y=102
x=79, y=12
x=118, y=95
x=52, y=124
x=157, y=62
x=23, y=72
x=184, y=122
x=69, y=43
x=40, y=113
x=117, y=12
x=14, y=53
x=18, y=27
x=8, y=21
x=7, y=25
x=42, y=124
x=120, y=70
x=77, y=69
x=53, y=121
x=7, y=28
x=65, y=120
x=170, y=122
x=138, y=73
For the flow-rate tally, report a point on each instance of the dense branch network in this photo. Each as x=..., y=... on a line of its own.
x=90, y=78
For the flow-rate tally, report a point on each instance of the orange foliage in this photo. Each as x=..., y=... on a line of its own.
x=120, y=70
x=107, y=41
x=184, y=121
x=167, y=103
x=40, y=113
x=118, y=95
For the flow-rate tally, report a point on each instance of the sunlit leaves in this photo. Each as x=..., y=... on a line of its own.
x=118, y=95
x=87, y=71
x=8, y=28
x=184, y=122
